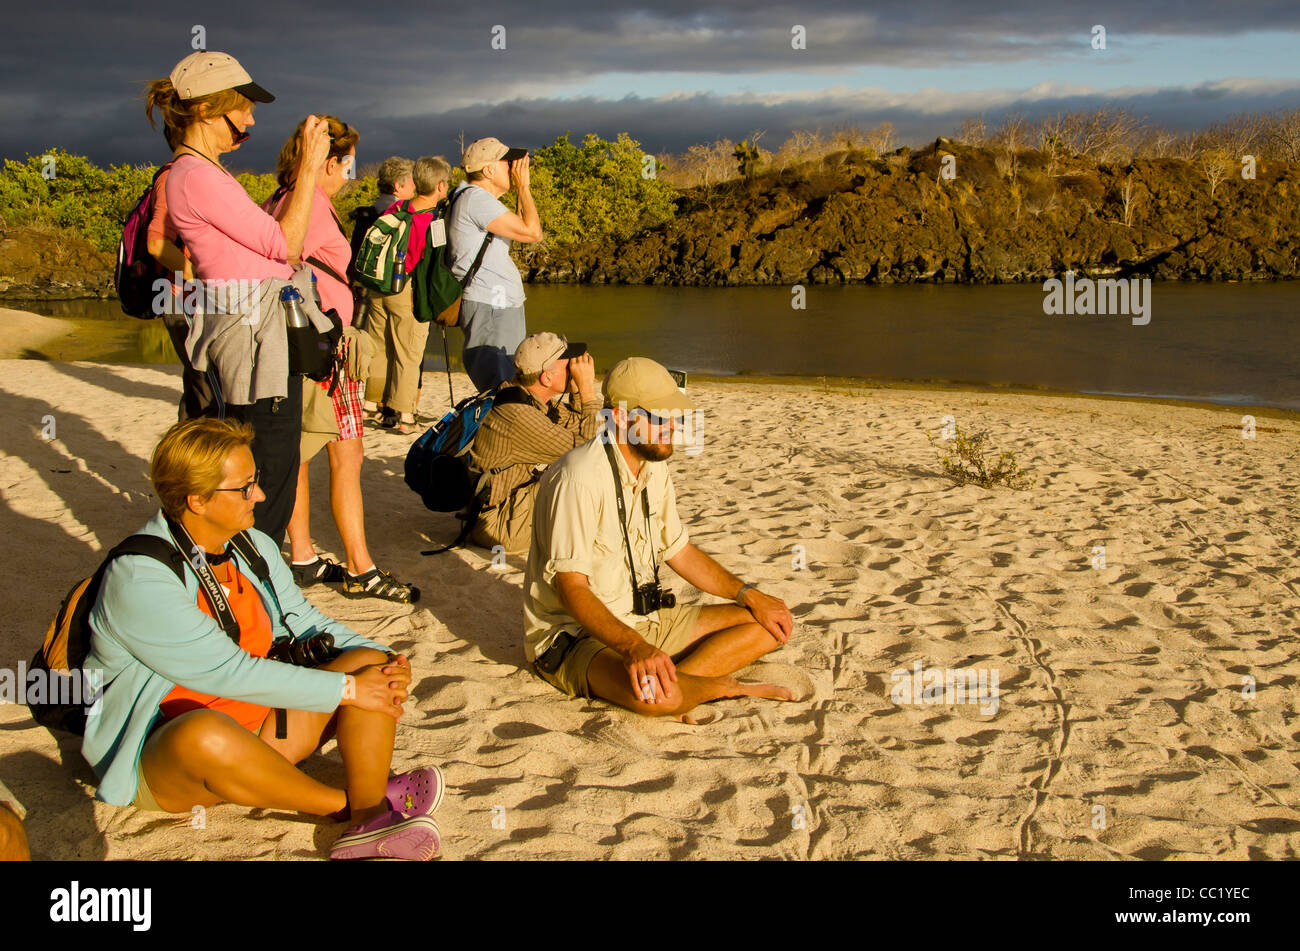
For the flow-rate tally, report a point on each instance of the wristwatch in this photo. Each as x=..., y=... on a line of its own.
x=740, y=595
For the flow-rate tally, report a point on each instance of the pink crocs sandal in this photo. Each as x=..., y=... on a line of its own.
x=417, y=793
x=390, y=835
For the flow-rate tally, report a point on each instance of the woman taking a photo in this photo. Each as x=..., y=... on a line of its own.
x=190, y=718
x=207, y=107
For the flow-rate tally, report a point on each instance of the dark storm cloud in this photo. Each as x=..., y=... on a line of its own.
x=412, y=78
x=674, y=125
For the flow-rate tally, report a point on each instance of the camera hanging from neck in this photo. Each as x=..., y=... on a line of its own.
x=650, y=600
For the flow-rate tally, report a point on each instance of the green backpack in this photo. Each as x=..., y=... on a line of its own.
x=437, y=291
x=376, y=262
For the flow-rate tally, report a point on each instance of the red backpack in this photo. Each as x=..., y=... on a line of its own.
x=136, y=271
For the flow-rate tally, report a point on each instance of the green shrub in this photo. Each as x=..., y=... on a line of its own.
x=965, y=461
x=78, y=195
x=259, y=187
x=592, y=191
x=596, y=190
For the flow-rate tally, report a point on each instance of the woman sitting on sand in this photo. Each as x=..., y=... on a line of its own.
x=190, y=718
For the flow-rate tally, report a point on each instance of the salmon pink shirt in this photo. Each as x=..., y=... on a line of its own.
x=326, y=242
x=228, y=237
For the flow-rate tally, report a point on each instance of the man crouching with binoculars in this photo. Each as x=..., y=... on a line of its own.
x=597, y=621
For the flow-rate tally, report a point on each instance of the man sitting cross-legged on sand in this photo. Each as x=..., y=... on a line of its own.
x=587, y=631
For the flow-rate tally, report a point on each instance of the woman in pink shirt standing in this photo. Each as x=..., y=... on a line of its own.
x=207, y=106
x=327, y=250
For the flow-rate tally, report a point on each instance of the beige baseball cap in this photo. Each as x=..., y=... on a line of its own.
x=206, y=72
x=539, y=351
x=643, y=384
x=486, y=151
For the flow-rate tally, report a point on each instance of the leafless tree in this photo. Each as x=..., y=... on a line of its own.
x=1238, y=135
x=1284, y=136
x=1217, y=166
x=1128, y=194
x=881, y=138
x=973, y=131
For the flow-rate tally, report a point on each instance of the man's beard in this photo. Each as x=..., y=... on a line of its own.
x=652, y=452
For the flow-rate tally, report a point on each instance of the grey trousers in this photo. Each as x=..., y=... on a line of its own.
x=491, y=336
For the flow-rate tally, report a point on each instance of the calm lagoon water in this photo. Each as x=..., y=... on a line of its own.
x=1224, y=343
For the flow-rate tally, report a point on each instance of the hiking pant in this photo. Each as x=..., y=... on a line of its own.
x=398, y=338
x=510, y=524
x=277, y=424
x=491, y=336
x=197, y=398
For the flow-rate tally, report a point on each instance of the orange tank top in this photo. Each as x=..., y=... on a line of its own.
x=254, y=637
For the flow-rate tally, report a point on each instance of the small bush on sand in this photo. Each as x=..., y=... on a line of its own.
x=966, y=461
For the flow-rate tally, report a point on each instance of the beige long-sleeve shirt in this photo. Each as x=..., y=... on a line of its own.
x=575, y=528
x=518, y=437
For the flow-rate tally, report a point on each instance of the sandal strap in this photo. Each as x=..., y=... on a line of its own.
x=322, y=570
x=381, y=584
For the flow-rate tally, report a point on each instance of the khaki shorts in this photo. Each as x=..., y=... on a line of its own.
x=143, y=794
x=670, y=631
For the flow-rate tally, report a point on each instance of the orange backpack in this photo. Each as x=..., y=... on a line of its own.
x=67, y=690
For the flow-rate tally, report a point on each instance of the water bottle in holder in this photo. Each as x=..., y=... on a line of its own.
x=399, y=272
x=294, y=315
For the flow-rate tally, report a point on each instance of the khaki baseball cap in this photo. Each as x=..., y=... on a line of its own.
x=643, y=384
x=486, y=151
x=206, y=72
x=539, y=351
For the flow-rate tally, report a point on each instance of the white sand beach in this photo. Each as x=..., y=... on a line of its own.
x=1124, y=723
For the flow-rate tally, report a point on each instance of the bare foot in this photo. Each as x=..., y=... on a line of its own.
x=765, y=691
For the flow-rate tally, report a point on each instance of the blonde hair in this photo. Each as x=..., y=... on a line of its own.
x=343, y=139
x=179, y=114
x=190, y=459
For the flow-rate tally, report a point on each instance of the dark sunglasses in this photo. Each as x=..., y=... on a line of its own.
x=651, y=418
x=246, y=490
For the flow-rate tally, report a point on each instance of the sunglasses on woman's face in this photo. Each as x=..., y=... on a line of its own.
x=246, y=490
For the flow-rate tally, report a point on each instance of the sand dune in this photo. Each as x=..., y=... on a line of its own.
x=1120, y=727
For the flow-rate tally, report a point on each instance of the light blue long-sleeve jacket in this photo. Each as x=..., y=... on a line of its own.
x=149, y=635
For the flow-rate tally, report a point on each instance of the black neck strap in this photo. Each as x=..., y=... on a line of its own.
x=208, y=582
x=209, y=159
x=622, y=516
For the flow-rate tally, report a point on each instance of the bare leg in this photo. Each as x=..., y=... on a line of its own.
x=727, y=651
x=607, y=679
x=300, y=547
x=345, y=500
x=205, y=757
x=13, y=840
x=726, y=638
